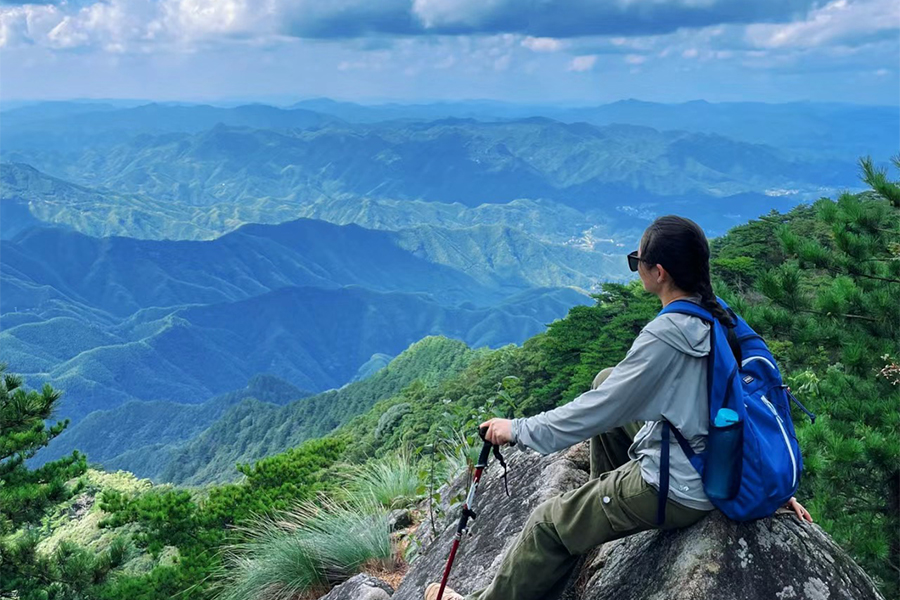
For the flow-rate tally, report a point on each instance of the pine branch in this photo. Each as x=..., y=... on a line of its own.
x=875, y=277
x=824, y=314
x=856, y=273
x=867, y=509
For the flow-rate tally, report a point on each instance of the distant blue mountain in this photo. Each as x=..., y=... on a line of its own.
x=113, y=320
x=138, y=428
x=841, y=130
x=72, y=126
x=577, y=164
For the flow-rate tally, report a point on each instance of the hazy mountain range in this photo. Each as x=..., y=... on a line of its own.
x=116, y=319
x=466, y=161
x=157, y=258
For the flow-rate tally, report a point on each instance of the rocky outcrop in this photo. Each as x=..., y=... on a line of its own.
x=532, y=479
x=360, y=587
x=780, y=558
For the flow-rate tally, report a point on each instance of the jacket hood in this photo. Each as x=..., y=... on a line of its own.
x=686, y=333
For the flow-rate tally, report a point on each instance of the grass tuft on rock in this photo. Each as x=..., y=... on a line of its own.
x=306, y=550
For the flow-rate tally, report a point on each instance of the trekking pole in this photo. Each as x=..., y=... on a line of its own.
x=467, y=511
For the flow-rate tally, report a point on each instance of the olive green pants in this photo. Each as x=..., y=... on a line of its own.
x=614, y=503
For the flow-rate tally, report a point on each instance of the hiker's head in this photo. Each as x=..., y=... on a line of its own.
x=674, y=257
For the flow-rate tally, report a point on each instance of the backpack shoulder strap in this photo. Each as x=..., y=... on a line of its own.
x=686, y=307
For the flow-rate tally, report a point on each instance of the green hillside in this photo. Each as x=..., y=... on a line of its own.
x=132, y=436
x=30, y=198
x=253, y=430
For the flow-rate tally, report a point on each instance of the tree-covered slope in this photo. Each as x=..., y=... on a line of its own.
x=820, y=283
x=30, y=198
x=253, y=430
x=137, y=428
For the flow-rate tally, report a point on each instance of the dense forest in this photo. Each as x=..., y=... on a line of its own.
x=820, y=283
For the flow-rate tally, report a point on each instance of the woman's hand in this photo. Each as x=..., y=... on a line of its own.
x=802, y=513
x=499, y=431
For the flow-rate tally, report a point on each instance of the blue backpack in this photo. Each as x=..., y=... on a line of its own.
x=743, y=377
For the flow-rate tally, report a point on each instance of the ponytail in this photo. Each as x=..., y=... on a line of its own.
x=709, y=301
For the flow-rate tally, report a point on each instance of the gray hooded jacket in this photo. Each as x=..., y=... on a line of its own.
x=663, y=376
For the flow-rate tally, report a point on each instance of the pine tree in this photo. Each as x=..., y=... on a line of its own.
x=26, y=494
x=833, y=318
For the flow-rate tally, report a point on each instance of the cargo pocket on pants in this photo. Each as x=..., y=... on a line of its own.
x=621, y=489
x=611, y=502
x=619, y=521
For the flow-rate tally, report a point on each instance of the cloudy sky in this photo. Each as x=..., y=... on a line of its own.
x=571, y=51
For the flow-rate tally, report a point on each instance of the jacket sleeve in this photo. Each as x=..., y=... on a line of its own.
x=630, y=393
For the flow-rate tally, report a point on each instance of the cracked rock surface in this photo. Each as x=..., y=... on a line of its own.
x=779, y=558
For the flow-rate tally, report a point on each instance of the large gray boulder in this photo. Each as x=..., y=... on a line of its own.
x=780, y=558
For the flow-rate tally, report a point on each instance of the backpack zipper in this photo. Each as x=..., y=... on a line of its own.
x=762, y=358
x=786, y=441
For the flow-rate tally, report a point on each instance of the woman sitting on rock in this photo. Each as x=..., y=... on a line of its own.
x=663, y=376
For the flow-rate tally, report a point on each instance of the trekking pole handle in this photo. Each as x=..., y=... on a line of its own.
x=485, y=449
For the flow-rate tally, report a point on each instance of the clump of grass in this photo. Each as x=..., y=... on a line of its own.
x=393, y=481
x=459, y=457
x=306, y=550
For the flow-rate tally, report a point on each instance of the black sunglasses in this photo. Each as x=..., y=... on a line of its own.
x=634, y=260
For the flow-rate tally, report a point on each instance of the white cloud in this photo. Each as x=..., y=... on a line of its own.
x=204, y=17
x=583, y=63
x=468, y=38
x=838, y=22
x=118, y=25
x=27, y=24
x=542, y=44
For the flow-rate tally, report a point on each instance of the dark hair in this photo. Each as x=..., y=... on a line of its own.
x=679, y=245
